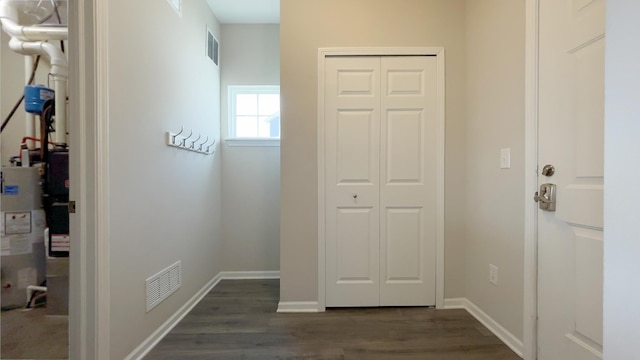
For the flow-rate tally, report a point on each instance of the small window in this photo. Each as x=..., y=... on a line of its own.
x=254, y=112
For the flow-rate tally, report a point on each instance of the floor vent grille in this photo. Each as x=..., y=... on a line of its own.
x=163, y=284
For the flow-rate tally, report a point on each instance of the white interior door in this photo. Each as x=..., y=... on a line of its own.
x=571, y=138
x=381, y=138
x=353, y=184
x=408, y=181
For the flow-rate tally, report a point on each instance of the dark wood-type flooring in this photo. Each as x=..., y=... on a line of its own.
x=238, y=320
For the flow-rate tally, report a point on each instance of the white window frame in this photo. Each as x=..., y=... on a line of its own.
x=232, y=91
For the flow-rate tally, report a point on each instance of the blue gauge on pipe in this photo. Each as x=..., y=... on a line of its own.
x=35, y=97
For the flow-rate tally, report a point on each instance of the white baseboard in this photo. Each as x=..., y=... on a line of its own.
x=455, y=303
x=152, y=340
x=498, y=330
x=297, y=306
x=247, y=275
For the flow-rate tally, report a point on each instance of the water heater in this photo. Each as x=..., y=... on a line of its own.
x=22, y=222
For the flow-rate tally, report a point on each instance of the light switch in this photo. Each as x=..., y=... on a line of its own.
x=505, y=158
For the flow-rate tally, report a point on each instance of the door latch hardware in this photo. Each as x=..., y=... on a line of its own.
x=72, y=207
x=548, y=170
x=546, y=197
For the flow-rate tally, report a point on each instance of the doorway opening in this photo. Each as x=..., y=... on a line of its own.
x=35, y=180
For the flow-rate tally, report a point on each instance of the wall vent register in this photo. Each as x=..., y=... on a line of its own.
x=163, y=284
x=213, y=47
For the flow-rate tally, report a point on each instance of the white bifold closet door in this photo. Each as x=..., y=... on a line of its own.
x=381, y=138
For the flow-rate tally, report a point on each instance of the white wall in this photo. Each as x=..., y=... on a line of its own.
x=308, y=25
x=250, y=55
x=494, y=217
x=164, y=202
x=622, y=194
x=484, y=44
x=11, y=88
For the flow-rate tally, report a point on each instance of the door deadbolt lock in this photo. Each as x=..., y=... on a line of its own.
x=546, y=197
x=548, y=170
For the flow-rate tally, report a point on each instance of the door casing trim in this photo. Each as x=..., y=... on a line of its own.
x=89, y=289
x=530, y=281
x=438, y=52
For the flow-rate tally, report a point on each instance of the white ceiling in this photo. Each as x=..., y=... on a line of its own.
x=246, y=11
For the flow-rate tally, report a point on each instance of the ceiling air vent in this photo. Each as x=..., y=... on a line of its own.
x=212, y=47
x=176, y=5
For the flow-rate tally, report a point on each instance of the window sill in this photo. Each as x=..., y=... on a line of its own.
x=252, y=142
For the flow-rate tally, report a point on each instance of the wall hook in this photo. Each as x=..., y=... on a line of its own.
x=175, y=136
x=184, y=140
x=199, y=148
x=190, y=142
x=211, y=148
x=193, y=142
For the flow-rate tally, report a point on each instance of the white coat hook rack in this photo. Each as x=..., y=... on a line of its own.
x=191, y=142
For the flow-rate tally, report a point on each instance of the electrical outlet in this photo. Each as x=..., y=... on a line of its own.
x=493, y=274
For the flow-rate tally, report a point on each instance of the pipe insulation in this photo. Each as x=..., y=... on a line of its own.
x=59, y=72
x=10, y=24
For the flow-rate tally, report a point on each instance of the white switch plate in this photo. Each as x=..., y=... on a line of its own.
x=493, y=274
x=505, y=158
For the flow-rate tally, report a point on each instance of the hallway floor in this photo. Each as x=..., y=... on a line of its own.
x=238, y=320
